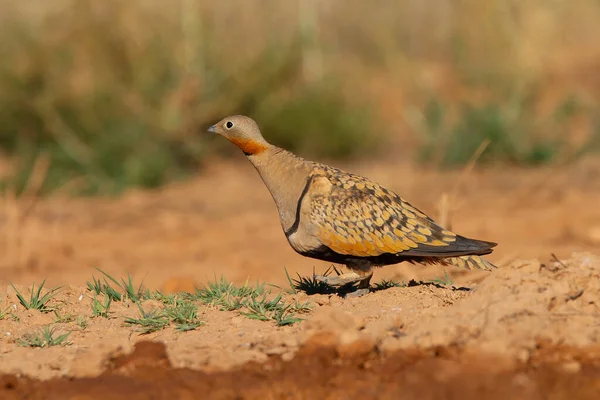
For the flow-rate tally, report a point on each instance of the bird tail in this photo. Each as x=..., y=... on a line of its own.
x=469, y=262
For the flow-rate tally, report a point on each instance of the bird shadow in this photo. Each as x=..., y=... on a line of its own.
x=389, y=284
x=439, y=285
x=311, y=286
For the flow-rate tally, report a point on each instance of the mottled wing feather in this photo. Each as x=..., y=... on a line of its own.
x=359, y=217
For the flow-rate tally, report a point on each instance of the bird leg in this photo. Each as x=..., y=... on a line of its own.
x=339, y=280
x=363, y=283
x=361, y=273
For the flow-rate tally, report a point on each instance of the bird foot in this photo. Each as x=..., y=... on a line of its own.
x=340, y=280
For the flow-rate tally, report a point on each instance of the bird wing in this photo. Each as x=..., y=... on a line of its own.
x=355, y=216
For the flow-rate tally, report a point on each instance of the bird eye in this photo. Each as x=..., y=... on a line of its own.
x=229, y=125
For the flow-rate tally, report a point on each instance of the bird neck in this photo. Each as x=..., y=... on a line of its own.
x=285, y=175
x=251, y=146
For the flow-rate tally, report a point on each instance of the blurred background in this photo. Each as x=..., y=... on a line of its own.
x=118, y=93
x=97, y=97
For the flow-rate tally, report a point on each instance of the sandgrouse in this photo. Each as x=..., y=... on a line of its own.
x=336, y=216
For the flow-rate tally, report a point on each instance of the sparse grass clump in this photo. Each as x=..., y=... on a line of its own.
x=63, y=318
x=226, y=295
x=99, y=287
x=301, y=307
x=82, y=322
x=183, y=314
x=149, y=321
x=45, y=337
x=264, y=310
x=388, y=284
x=165, y=298
x=446, y=280
x=254, y=302
x=124, y=289
x=180, y=311
x=101, y=308
x=36, y=301
x=4, y=313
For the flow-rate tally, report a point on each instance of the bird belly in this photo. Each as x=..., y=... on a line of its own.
x=303, y=241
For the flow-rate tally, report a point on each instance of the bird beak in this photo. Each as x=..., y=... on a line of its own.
x=213, y=129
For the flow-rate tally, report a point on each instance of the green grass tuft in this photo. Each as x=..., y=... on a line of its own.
x=163, y=298
x=183, y=314
x=446, y=280
x=226, y=295
x=254, y=302
x=149, y=321
x=82, y=322
x=260, y=308
x=101, y=308
x=301, y=308
x=98, y=287
x=46, y=337
x=4, y=313
x=388, y=284
x=179, y=310
x=36, y=300
x=63, y=319
x=124, y=289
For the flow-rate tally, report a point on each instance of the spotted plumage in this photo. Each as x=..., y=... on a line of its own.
x=360, y=219
x=336, y=216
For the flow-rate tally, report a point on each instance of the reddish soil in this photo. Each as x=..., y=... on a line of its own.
x=323, y=371
x=527, y=330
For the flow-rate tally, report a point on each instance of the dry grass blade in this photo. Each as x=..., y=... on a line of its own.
x=445, y=204
x=37, y=177
x=468, y=169
x=17, y=210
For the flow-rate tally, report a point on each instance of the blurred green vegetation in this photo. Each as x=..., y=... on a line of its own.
x=114, y=107
x=118, y=94
x=511, y=131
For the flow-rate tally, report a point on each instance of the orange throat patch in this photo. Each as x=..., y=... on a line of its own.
x=249, y=146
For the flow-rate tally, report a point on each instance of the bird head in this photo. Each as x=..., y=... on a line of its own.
x=243, y=132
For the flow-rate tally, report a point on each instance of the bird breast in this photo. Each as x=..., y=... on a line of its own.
x=306, y=235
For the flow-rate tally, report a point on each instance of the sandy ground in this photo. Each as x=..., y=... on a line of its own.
x=545, y=293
